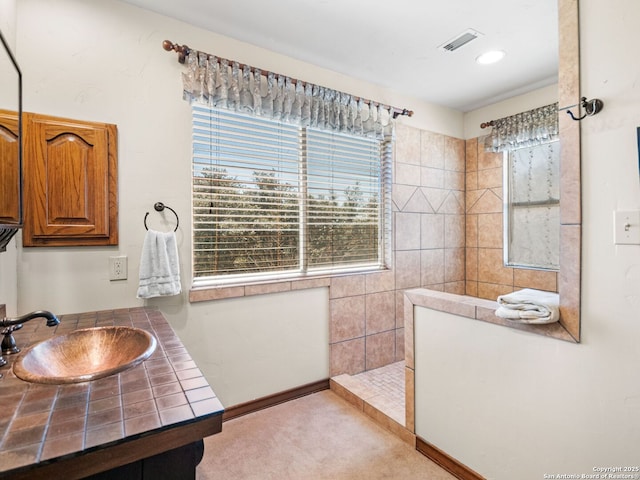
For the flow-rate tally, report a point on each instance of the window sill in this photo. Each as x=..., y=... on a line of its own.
x=248, y=288
x=205, y=294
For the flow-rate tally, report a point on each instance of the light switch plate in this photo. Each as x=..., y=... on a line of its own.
x=626, y=226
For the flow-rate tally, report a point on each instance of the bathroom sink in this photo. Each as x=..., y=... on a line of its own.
x=84, y=355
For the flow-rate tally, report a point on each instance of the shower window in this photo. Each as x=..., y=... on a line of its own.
x=532, y=207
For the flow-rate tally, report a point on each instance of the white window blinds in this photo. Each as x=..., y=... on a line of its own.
x=343, y=199
x=273, y=199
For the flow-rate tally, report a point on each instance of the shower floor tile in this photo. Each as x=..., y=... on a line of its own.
x=379, y=393
x=387, y=381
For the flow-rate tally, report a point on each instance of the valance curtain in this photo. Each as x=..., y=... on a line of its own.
x=221, y=83
x=525, y=129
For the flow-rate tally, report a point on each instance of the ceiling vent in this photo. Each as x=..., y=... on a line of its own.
x=460, y=40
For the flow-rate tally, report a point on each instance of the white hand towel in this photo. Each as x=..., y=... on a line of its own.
x=159, y=266
x=529, y=306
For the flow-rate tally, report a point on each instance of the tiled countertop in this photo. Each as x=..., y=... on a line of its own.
x=163, y=403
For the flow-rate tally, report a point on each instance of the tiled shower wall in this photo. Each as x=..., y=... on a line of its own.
x=447, y=224
x=366, y=311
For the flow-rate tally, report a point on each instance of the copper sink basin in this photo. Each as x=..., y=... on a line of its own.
x=84, y=355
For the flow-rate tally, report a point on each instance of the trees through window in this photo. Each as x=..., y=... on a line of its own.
x=273, y=199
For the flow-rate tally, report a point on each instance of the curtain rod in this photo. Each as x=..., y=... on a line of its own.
x=183, y=51
x=492, y=123
x=591, y=107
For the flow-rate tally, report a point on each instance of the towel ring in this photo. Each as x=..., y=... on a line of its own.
x=159, y=207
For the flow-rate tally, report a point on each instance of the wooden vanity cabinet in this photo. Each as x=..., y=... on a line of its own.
x=9, y=169
x=179, y=463
x=70, y=182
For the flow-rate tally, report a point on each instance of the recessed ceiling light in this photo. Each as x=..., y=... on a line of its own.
x=490, y=57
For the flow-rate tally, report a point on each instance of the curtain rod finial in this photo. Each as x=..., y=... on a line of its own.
x=404, y=111
x=181, y=50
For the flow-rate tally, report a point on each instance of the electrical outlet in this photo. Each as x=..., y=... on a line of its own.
x=118, y=268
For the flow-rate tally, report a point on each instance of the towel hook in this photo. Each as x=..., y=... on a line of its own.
x=159, y=207
x=591, y=107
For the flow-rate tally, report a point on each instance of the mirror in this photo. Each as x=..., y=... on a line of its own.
x=10, y=145
x=567, y=279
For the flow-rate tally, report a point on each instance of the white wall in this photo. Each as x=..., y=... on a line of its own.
x=8, y=274
x=513, y=405
x=104, y=61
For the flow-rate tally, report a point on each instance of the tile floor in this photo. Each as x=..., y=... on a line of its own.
x=380, y=393
x=316, y=437
x=387, y=381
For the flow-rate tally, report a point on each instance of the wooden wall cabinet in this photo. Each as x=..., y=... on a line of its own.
x=70, y=182
x=9, y=169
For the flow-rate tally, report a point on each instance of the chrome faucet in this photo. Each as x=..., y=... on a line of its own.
x=9, y=325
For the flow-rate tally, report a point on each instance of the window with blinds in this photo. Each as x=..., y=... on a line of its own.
x=273, y=200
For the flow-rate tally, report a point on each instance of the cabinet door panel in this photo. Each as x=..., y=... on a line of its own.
x=70, y=163
x=70, y=187
x=9, y=169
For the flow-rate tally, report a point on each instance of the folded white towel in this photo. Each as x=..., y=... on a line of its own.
x=159, y=266
x=529, y=306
